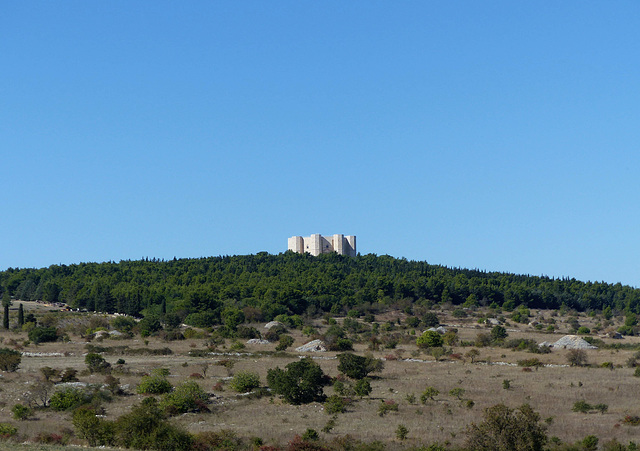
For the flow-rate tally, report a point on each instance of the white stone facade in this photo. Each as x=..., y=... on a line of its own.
x=317, y=244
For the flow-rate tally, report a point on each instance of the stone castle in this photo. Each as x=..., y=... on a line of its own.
x=317, y=244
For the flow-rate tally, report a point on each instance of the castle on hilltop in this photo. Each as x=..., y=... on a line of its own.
x=317, y=244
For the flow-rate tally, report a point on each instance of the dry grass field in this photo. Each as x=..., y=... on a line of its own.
x=551, y=390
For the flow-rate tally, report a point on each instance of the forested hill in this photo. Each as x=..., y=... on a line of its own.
x=290, y=283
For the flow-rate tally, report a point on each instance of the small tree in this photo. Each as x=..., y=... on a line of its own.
x=457, y=392
x=356, y=366
x=429, y=394
x=6, y=303
x=472, y=354
x=20, y=315
x=577, y=357
x=300, y=382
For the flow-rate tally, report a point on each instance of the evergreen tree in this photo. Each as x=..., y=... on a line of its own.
x=20, y=315
x=6, y=302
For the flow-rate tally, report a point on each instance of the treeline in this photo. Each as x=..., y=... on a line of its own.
x=264, y=286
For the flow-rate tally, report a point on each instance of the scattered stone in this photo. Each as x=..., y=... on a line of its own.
x=257, y=341
x=493, y=321
x=573, y=342
x=439, y=329
x=313, y=346
x=271, y=324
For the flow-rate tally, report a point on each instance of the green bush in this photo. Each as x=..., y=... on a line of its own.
x=43, y=334
x=300, y=382
x=68, y=398
x=9, y=359
x=505, y=429
x=6, y=430
x=145, y=428
x=358, y=367
x=21, y=412
x=499, y=333
x=123, y=323
x=387, y=406
x=96, y=363
x=284, y=342
x=430, y=319
x=154, y=385
x=187, y=397
x=429, y=339
x=334, y=404
x=582, y=406
x=245, y=382
x=429, y=394
x=97, y=431
x=310, y=435
x=362, y=387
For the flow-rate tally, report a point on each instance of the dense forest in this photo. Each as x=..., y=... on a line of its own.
x=264, y=286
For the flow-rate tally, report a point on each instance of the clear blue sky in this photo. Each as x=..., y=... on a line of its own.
x=497, y=135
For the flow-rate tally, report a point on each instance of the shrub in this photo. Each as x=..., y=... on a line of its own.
x=530, y=362
x=69, y=375
x=43, y=334
x=583, y=330
x=358, y=367
x=636, y=373
x=299, y=383
x=21, y=412
x=402, y=432
x=457, y=392
x=310, y=435
x=187, y=397
x=334, y=404
x=459, y=313
x=581, y=406
x=9, y=359
x=498, y=333
x=362, y=387
x=6, y=430
x=284, y=342
x=602, y=408
x=430, y=319
x=154, y=385
x=123, y=323
x=97, y=431
x=505, y=429
x=577, y=357
x=387, y=406
x=429, y=339
x=245, y=382
x=631, y=420
x=429, y=394
x=96, y=363
x=145, y=428
x=68, y=398
x=222, y=440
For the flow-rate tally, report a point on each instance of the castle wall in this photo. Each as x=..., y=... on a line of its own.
x=317, y=244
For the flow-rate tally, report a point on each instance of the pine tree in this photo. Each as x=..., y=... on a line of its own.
x=6, y=302
x=20, y=315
